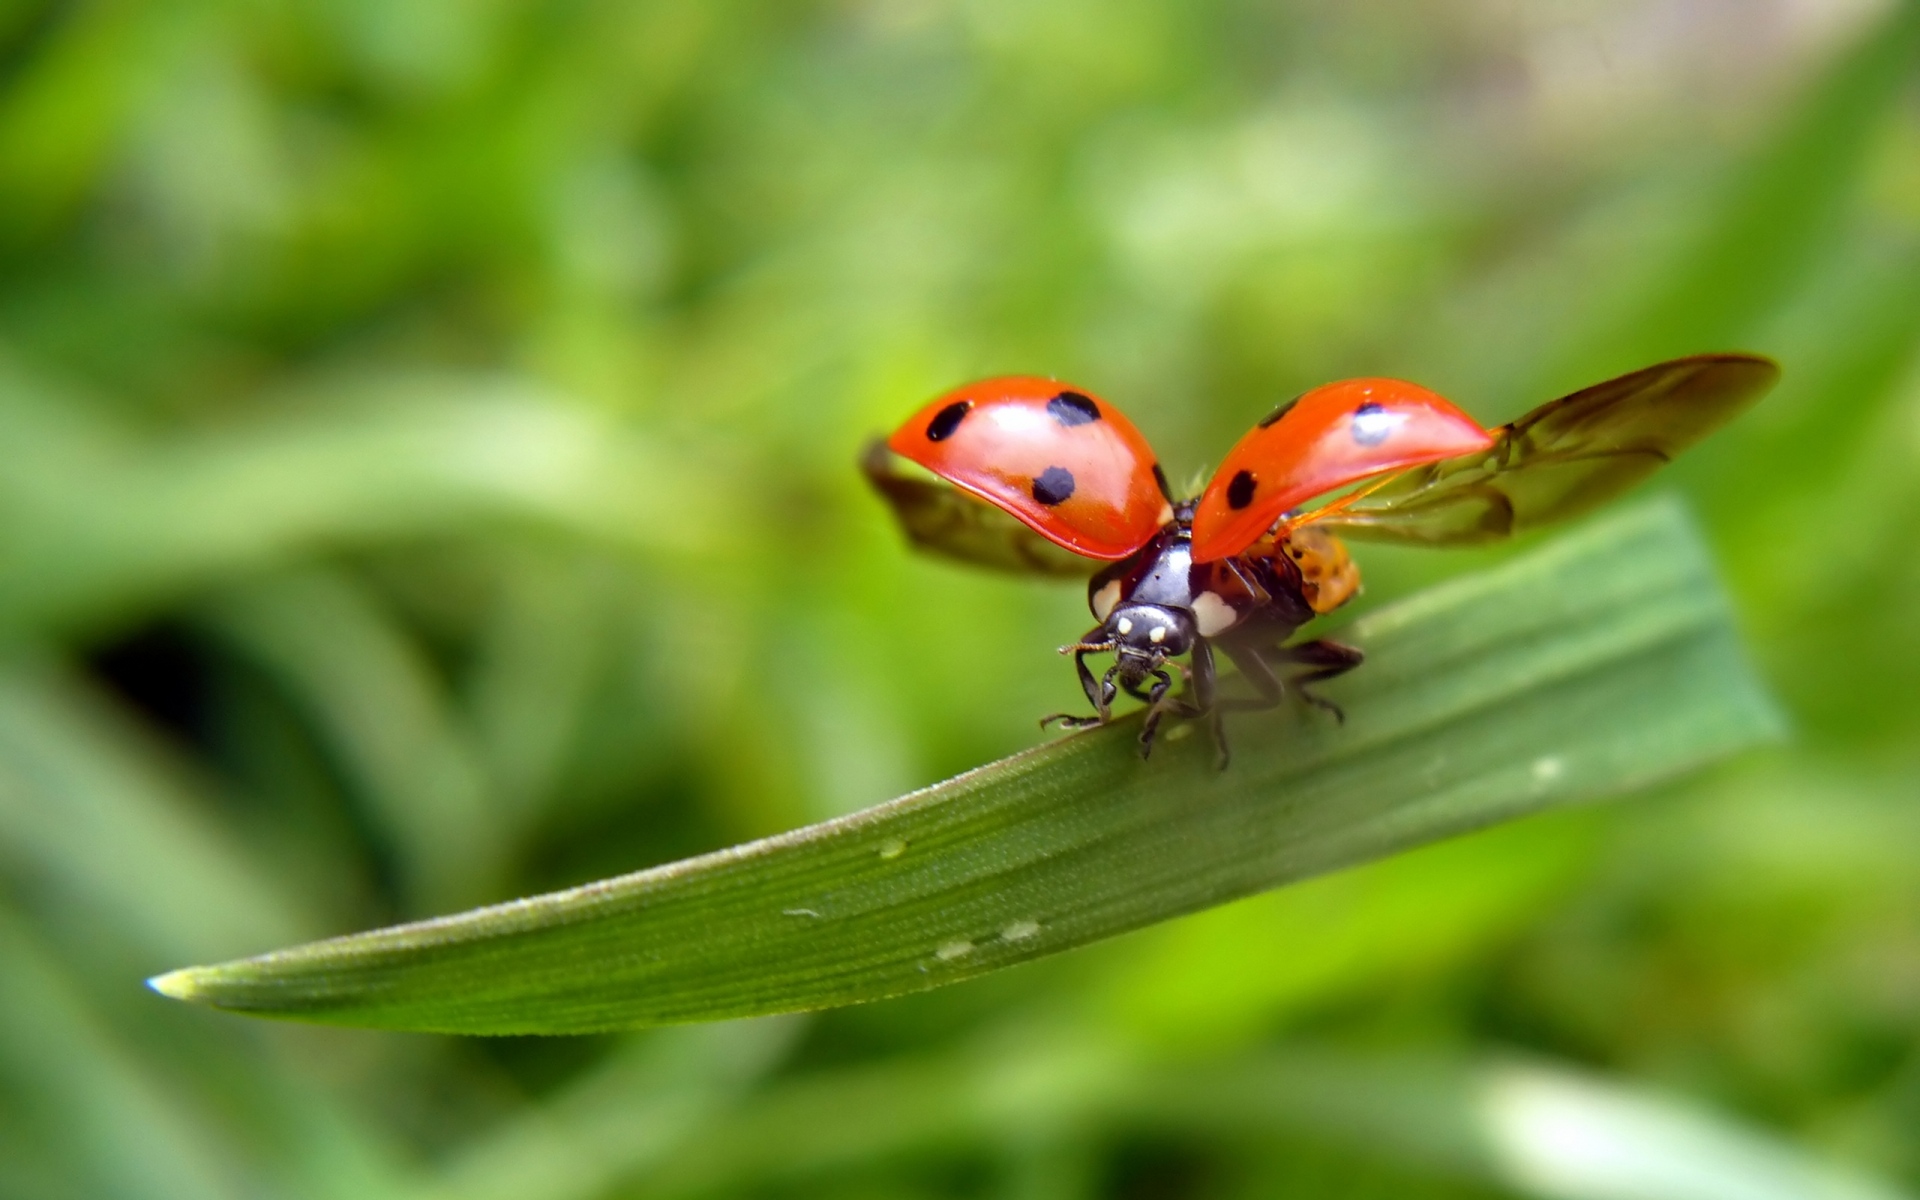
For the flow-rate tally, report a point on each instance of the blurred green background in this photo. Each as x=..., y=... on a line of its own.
x=427, y=478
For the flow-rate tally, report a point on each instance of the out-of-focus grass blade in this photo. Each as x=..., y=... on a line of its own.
x=1754, y=238
x=90, y=809
x=1786, y=205
x=125, y=867
x=534, y=669
x=146, y=523
x=1222, y=977
x=60, y=115
x=1594, y=664
x=386, y=723
x=1570, y=1137
x=1530, y=1128
x=630, y=1114
x=109, y=1127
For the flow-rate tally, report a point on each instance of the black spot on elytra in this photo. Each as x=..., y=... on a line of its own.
x=947, y=420
x=1071, y=408
x=1369, y=432
x=1160, y=477
x=1282, y=411
x=1240, y=490
x=1053, y=485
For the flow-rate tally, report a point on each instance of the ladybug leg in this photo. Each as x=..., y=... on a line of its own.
x=1069, y=721
x=1156, y=709
x=1326, y=660
x=1101, y=696
x=1100, y=692
x=1200, y=701
x=1258, y=672
x=1205, y=704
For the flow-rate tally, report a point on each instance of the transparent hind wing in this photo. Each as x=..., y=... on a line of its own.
x=1563, y=458
x=943, y=520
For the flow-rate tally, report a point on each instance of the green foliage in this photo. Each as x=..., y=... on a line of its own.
x=428, y=481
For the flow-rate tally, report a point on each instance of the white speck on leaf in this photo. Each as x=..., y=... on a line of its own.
x=1019, y=931
x=1548, y=769
x=953, y=950
x=798, y=912
x=892, y=848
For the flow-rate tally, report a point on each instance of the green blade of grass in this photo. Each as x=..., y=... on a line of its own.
x=109, y=525
x=1522, y=1127
x=1595, y=664
x=1786, y=205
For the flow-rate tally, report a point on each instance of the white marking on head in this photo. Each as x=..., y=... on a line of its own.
x=1157, y=634
x=1125, y=626
x=1212, y=615
x=1166, y=513
x=1106, y=598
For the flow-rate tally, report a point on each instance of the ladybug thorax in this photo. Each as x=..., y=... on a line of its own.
x=1162, y=578
x=1264, y=586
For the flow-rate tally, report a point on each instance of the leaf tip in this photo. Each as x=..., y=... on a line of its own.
x=179, y=985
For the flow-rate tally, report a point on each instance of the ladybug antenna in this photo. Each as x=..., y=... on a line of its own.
x=1088, y=647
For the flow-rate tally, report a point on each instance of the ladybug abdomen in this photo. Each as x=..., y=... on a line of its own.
x=1255, y=592
x=1328, y=575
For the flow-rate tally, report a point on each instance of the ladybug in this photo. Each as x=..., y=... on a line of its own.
x=1045, y=477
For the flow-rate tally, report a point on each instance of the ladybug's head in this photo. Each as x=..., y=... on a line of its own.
x=1146, y=635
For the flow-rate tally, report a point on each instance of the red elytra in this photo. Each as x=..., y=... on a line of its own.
x=1054, y=455
x=1077, y=472
x=1333, y=436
